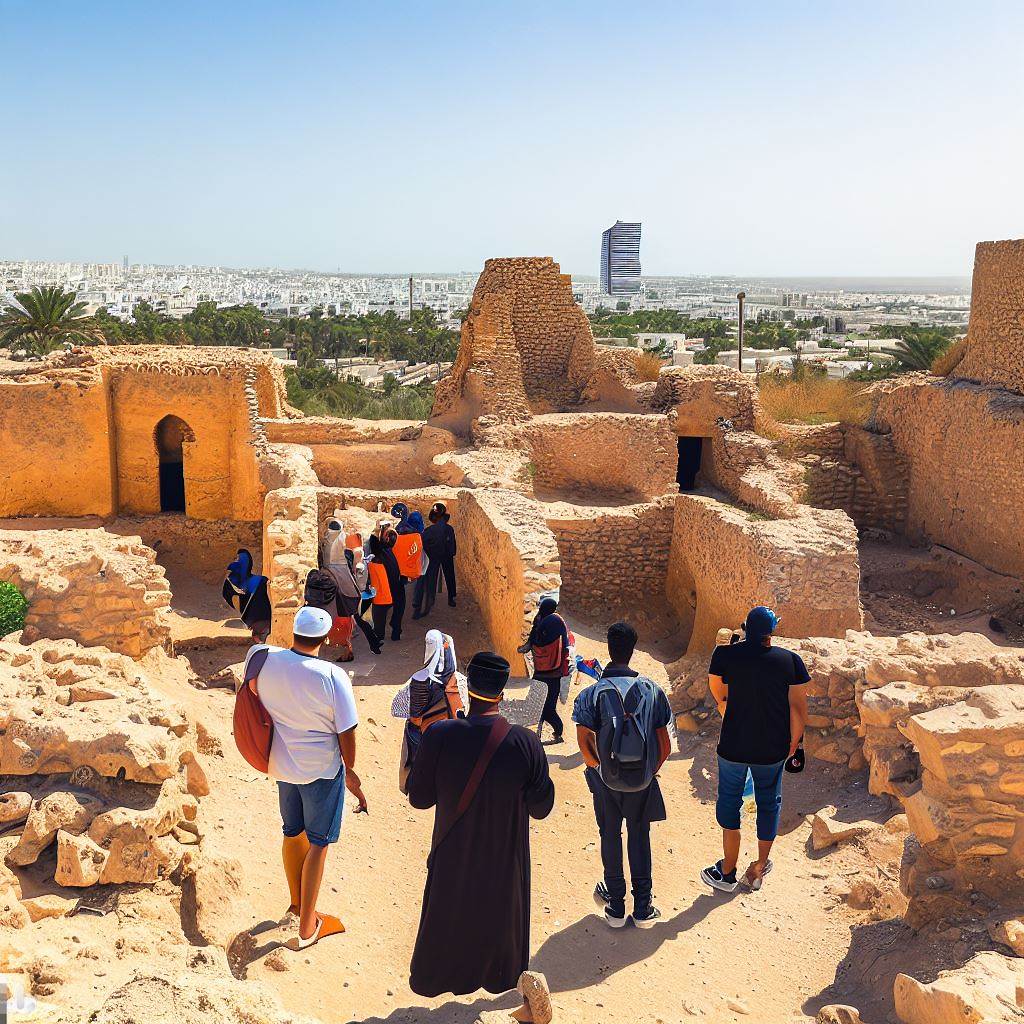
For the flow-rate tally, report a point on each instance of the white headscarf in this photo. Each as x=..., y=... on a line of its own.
x=439, y=654
x=439, y=662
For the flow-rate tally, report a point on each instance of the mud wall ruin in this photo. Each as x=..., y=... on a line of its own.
x=78, y=433
x=89, y=586
x=995, y=336
x=725, y=561
x=526, y=345
x=965, y=447
x=56, y=446
x=582, y=456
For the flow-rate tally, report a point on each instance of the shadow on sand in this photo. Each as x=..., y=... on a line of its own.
x=573, y=959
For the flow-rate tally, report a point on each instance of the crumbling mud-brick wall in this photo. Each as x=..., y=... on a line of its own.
x=290, y=539
x=367, y=453
x=514, y=562
x=575, y=456
x=90, y=586
x=526, y=345
x=107, y=766
x=867, y=478
x=995, y=337
x=78, y=434
x=614, y=560
x=724, y=561
x=56, y=453
x=964, y=443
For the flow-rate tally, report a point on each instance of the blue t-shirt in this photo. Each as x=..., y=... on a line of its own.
x=586, y=710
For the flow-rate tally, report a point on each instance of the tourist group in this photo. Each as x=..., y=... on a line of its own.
x=485, y=777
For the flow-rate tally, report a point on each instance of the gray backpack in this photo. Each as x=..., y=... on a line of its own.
x=627, y=735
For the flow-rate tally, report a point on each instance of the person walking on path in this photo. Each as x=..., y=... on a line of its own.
x=440, y=546
x=760, y=690
x=622, y=729
x=381, y=572
x=340, y=560
x=408, y=551
x=486, y=779
x=246, y=593
x=312, y=757
x=548, y=644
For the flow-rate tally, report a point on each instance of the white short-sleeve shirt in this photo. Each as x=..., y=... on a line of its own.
x=310, y=701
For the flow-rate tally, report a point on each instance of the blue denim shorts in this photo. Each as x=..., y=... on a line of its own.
x=732, y=777
x=314, y=808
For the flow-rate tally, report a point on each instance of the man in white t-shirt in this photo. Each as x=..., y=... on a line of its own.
x=312, y=757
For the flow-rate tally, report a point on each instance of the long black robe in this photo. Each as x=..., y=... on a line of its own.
x=475, y=924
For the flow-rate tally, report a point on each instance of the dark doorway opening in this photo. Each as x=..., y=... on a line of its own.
x=171, y=432
x=690, y=451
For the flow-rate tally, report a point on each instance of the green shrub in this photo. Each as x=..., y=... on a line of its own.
x=12, y=609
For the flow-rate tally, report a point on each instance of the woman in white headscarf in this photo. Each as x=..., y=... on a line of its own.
x=433, y=693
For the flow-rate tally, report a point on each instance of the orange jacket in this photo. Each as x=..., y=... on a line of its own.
x=379, y=582
x=408, y=551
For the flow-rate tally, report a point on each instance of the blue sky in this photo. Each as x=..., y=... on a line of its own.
x=784, y=138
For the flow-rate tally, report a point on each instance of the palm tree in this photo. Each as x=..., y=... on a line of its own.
x=918, y=352
x=45, y=317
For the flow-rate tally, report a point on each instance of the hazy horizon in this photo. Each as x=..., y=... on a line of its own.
x=855, y=141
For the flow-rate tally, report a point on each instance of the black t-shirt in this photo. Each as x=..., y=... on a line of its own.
x=756, y=725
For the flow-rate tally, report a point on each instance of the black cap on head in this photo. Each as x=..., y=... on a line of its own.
x=487, y=674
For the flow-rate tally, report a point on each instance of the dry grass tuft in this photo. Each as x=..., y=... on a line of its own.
x=814, y=399
x=648, y=366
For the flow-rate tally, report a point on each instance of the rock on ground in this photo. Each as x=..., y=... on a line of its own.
x=985, y=989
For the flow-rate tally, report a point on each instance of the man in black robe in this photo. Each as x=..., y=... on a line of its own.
x=475, y=925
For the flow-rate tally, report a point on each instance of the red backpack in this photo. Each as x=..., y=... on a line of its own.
x=552, y=657
x=253, y=727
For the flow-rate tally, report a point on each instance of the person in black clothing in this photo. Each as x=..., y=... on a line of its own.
x=440, y=547
x=247, y=594
x=474, y=929
x=639, y=808
x=761, y=695
x=549, y=642
x=386, y=556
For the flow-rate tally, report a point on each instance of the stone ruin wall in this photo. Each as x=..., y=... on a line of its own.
x=103, y=404
x=853, y=469
x=90, y=586
x=614, y=560
x=965, y=447
x=96, y=763
x=526, y=345
x=579, y=456
x=725, y=560
x=995, y=337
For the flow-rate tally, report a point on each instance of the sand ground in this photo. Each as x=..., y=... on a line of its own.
x=774, y=956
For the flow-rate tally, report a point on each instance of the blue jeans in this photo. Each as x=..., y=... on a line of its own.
x=314, y=808
x=767, y=795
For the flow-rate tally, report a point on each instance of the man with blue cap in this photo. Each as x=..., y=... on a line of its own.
x=761, y=694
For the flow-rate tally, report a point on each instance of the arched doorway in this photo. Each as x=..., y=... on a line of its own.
x=170, y=434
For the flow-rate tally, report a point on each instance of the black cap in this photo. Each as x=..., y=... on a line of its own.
x=487, y=674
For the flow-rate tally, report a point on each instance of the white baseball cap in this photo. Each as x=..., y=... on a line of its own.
x=313, y=623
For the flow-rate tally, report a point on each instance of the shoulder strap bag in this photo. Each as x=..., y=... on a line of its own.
x=495, y=738
x=252, y=726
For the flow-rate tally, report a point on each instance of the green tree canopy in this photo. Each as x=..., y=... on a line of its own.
x=45, y=317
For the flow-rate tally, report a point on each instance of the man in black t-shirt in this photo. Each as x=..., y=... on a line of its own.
x=760, y=692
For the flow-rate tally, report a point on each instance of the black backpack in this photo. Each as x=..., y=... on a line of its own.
x=321, y=591
x=626, y=734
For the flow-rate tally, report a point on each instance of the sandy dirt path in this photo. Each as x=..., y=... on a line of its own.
x=759, y=956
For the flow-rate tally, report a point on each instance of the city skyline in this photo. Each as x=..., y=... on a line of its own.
x=749, y=139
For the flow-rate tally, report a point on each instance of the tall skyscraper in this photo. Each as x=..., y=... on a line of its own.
x=620, y=259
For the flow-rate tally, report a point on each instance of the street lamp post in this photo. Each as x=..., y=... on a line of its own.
x=740, y=296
